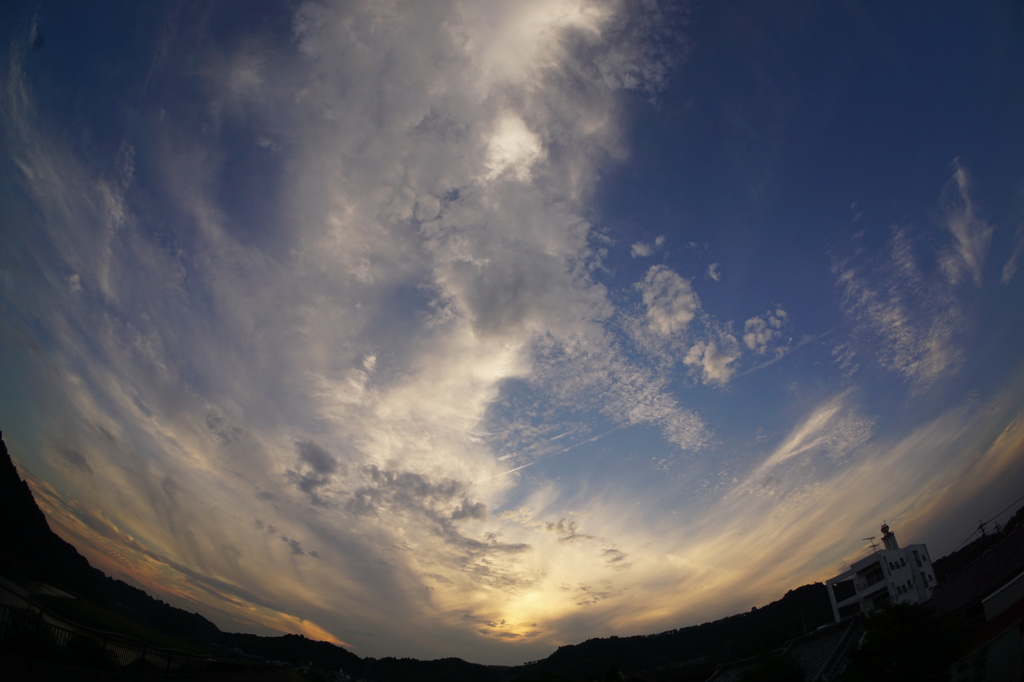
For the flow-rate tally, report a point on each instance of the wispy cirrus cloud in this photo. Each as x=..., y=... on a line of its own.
x=1010, y=266
x=909, y=320
x=973, y=235
x=916, y=317
x=834, y=429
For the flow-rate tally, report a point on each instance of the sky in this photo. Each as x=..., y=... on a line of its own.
x=473, y=329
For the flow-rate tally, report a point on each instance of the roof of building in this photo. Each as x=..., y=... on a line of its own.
x=822, y=653
x=971, y=584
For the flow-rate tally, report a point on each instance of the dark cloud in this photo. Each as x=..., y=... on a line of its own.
x=567, y=529
x=470, y=511
x=499, y=575
x=588, y=595
x=75, y=458
x=294, y=544
x=319, y=460
x=436, y=506
x=616, y=559
x=403, y=490
x=315, y=469
x=227, y=434
x=502, y=296
x=505, y=634
x=496, y=628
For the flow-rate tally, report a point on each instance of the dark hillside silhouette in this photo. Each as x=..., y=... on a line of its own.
x=32, y=551
x=30, y=548
x=800, y=611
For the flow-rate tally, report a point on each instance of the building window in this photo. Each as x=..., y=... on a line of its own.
x=873, y=575
x=843, y=590
x=849, y=611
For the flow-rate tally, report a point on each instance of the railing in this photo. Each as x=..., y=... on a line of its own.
x=26, y=634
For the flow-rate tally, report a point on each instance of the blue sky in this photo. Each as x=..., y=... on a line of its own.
x=473, y=329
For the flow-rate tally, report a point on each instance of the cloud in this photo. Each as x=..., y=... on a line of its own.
x=909, y=321
x=512, y=149
x=645, y=250
x=294, y=545
x=973, y=235
x=714, y=272
x=76, y=458
x=615, y=559
x=676, y=328
x=641, y=250
x=912, y=319
x=760, y=332
x=431, y=514
x=588, y=595
x=1010, y=267
x=714, y=358
x=318, y=459
x=834, y=428
x=567, y=530
x=228, y=435
x=315, y=471
x=671, y=303
x=591, y=377
x=470, y=510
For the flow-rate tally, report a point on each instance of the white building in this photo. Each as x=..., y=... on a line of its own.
x=886, y=576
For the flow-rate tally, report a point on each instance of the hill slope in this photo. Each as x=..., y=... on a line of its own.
x=34, y=552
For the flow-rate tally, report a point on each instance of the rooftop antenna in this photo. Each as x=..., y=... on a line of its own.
x=874, y=545
x=981, y=527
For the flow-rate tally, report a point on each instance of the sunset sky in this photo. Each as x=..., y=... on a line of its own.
x=454, y=328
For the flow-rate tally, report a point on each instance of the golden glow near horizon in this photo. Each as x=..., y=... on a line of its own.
x=701, y=569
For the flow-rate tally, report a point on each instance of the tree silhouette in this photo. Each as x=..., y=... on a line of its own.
x=904, y=642
x=774, y=667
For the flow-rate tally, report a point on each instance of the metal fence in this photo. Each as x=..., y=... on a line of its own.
x=27, y=637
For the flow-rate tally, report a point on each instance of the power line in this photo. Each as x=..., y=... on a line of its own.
x=1007, y=507
x=983, y=523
